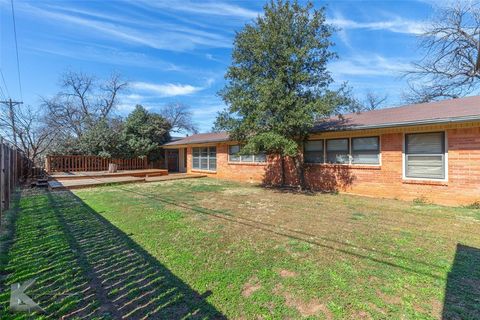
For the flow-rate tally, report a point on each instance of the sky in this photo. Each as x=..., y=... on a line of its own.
x=179, y=51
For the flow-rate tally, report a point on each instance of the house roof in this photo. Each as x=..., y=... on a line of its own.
x=454, y=110
x=200, y=138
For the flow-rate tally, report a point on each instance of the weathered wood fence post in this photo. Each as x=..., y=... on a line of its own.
x=2, y=178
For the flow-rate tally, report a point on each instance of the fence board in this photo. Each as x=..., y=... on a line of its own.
x=14, y=165
x=63, y=163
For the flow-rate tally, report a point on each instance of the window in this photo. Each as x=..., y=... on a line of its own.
x=338, y=151
x=425, y=155
x=313, y=151
x=233, y=155
x=365, y=150
x=204, y=158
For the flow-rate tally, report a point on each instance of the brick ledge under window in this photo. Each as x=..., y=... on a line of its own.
x=347, y=166
x=203, y=171
x=248, y=163
x=425, y=182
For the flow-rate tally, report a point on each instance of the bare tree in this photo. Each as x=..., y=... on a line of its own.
x=82, y=102
x=33, y=135
x=179, y=117
x=450, y=67
x=374, y=101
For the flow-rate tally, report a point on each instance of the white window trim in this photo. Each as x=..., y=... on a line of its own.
x=240, y=158
x=445, y=157
x=379, y=164
x=208, y=159
x=350, y=157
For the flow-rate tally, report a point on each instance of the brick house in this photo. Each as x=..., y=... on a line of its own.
x=429, y=151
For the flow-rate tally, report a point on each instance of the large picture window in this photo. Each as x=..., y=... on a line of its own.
x=234, y=156
x=425, y=155
x=338, y=151
x=204, y=158
x=365, y=150
x=361, y=150
x=313, y=151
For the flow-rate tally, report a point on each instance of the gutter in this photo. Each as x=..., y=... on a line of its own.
x=406, y=123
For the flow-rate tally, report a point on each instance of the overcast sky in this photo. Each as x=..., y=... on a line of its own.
x=178, y=51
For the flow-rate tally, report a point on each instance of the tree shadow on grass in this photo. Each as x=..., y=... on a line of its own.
x=127, y=280
x=87, y=268
x=462, y=293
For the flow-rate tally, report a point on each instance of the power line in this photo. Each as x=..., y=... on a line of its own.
x=2, y=94
x=4, y=83
x=16, y=49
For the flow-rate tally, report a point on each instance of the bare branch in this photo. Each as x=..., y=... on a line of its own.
x=450, y=66
x=179, y=117
x=82, y=102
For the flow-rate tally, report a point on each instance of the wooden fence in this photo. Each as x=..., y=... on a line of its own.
x=14, y=166
x=91, y=163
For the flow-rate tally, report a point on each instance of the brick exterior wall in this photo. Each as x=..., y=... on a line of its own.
x=385, y=180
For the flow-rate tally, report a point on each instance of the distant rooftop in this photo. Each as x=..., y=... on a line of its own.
x=454, y=110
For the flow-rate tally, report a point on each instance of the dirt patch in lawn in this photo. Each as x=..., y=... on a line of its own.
x=308, y=308
x=241, y=191
x=389, y=299
x=287, y=273
x=250, y=287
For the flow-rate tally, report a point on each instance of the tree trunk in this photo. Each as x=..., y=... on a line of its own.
x=300, y=170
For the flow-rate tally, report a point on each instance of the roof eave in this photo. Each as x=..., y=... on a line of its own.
x=183, y=145
x=405, y=124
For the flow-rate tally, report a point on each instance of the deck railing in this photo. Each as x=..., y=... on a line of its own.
x=91, y=163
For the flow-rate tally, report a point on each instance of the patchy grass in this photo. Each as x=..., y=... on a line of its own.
x=217, y=249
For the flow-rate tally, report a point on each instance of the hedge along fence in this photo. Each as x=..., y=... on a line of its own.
x=14, y=166
x=91, y=163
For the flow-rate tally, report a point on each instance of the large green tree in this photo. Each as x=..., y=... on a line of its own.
x=145, y=132
x=278, y=83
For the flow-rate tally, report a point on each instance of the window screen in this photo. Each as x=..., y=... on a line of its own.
x=366, y=150
x=425, y=155
x=204, y=158
x=233, y=155
x=313, y=151
x=337, y=151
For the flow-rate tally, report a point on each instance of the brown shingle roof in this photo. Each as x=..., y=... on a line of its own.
x=200, y=138
x=461, y=109
x=454, y=110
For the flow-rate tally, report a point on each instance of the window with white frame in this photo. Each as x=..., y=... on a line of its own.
x=234, y=156
x=338, y=151
x=365, y=150
x=314, y=152
x=204, y=158
x=425, y=155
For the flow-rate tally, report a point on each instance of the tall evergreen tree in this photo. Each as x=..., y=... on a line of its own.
x=145, y=132
x=278, y=83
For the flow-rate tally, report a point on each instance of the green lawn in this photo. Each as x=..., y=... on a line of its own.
x=204, y=248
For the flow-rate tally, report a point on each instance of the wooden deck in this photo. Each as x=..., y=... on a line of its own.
x=105, y=174
x=82, y=181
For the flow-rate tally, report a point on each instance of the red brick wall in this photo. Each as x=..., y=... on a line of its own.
x=386, y=180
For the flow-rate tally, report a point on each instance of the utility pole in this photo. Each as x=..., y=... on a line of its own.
x=10, y=104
